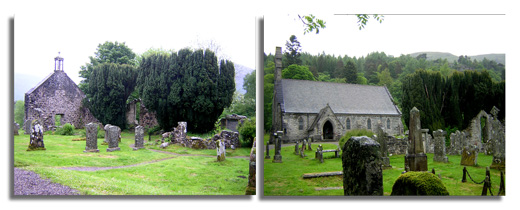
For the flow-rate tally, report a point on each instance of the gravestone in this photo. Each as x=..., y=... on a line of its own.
x=297, y=148
x=319, y=153
x=91, y=139
x=381, y=139
x=139, y=138
x=221, y=150
x=469, y=156
x=16, y=127
x=309, y=145
x=302, y=150
x=278, y=147
x=113, y=138
x=362, y=171
x=439, y=149
x=415, y=159
x=499, y=147
x=267, y=156
x=251, y=183
x=36, y=138
x=105, y=141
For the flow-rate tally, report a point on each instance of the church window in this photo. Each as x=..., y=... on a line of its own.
x=348, y=123
x=300, y=123
x=369, y=124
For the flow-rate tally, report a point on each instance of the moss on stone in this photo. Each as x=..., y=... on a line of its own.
x=419, y=183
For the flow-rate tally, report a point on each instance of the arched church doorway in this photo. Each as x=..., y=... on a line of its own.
x=328, y=130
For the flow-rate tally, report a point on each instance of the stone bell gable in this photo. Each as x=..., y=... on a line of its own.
x=57, y=96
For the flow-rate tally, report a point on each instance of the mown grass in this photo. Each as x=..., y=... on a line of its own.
x=286, y=178
x=181, y=175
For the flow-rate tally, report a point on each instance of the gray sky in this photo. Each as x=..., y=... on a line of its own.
x=75, y=30
x=396, y=35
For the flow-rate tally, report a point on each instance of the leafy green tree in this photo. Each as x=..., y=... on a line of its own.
x=189, y=86
x=312, y=23
x=292, y=51
x=351, y=72
x=297, y=72
x=108, y=52
x=247, y=132
x=385, y=78
x=268, y=100
x=339, y=71
x=19, y=112
x=244, y=104
x=110, y=85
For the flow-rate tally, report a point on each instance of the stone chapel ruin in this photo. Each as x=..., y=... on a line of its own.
x=56, y=97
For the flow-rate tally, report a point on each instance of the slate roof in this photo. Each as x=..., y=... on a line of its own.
x=303, y=96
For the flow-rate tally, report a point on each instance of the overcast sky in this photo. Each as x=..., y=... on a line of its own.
x=396, y=35
x=75, y=30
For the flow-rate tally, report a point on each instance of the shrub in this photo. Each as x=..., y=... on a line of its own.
x=355, y=132
x=247, y=132
x=66, y=130
x=418, y=183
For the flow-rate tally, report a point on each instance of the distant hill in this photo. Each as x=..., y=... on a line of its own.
x=499, y=58
x=240, y=73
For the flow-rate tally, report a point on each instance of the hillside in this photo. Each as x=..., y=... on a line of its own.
x=499, y=58
x=240, y=73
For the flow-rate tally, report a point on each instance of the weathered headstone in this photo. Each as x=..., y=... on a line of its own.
x=221, y=150
x=499, y=141
x=309, y=145
x=105, y=141
x=267, y=156
x=381, y=139
x=16, y=127
x=302, y=150
x=251, y=183
x=91, y=130
x=36, y=138
x=164, y=145
x=419, y=183
x=415, y=159
x=297, y=148
x=278, y=147
x=139, y=138
x=469, y=156
x=362, y=172
x=319, y=153
x=439, y=149
x=113, y=138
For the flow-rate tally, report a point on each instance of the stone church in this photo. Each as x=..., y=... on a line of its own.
x=56, y=97
x=324, y=111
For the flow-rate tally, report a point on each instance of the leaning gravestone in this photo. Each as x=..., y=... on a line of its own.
x=36, y=139
x=113, y=138
x=415, y=159
x=91, y=132
x=139, y=138
x=469, y=156
x=362, y=172
x=278, y=147
x=105, y=142
x=439, y=148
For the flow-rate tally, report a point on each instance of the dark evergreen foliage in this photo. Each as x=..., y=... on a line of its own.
x=186, y=86
x=110, y=85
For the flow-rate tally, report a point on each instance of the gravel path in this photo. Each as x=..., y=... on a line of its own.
x=30, y=183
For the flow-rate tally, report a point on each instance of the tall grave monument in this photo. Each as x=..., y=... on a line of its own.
x=415, y=159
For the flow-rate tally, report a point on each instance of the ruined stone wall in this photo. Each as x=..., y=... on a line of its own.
x=397, y=146
x=131, y=114
x=147, y=118
x=57, y=95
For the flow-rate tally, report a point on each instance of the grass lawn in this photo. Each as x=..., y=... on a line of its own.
x=181, y=175
x=286, y=178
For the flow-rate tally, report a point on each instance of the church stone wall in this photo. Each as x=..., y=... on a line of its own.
x=57, y=95
x=293, y=132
